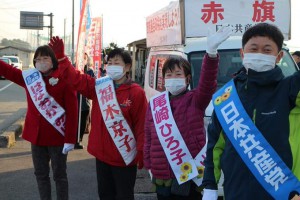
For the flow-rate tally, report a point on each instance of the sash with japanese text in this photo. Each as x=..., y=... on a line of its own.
x=115, y=122
x=259, y=156
x=177, y=153
x=45, y=104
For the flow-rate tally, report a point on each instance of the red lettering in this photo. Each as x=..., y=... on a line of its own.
x=178, y=156
x=169, y=131
x=171, y=141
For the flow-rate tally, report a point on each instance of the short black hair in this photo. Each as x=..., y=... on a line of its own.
x=172, y=62
x=297, y=53
x=45, y=50
x=265, y=30
x=122, y=53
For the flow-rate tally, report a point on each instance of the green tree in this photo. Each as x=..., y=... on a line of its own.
x=108, y=49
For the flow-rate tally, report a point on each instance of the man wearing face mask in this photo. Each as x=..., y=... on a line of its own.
x=51, y=120
x=253, y=136
x=186, y=109
x=117, y=121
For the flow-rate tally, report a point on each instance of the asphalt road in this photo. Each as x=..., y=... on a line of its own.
x=17, y=180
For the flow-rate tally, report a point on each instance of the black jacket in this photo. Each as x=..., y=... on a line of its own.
x=86, y=104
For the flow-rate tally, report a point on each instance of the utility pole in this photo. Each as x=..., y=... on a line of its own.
x=72, y=31
x=65, y=31
x=51, y=24
x=38, y=39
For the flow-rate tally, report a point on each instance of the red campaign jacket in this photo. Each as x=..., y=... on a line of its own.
x=132, y=101
x=37, y=129
x=188, y=111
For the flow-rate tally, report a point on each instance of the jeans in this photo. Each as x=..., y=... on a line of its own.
x=115, y=183
x=41, y=156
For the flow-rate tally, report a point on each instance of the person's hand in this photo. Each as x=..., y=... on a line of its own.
x=67, y=147
x=57, y=45
x=214, y=40
x=139, y=158
x=210, y=194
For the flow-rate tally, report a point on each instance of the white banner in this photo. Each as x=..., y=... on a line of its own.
x=115, y=122
x=44, y=103
x=164, y=26
x=177, y=153
x=240, y=14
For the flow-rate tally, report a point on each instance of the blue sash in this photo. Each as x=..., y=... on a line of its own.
x=259, y=156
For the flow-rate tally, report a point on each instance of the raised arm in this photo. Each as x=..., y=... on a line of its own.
x=208, y=76
x=83, y=83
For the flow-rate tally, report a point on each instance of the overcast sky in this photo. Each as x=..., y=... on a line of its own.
x=124, y=20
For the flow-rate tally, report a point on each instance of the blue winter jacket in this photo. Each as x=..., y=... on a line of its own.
x=268, y=98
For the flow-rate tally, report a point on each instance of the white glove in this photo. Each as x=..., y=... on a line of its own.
x=210, y=194
x=214, y=40
x=67, y=147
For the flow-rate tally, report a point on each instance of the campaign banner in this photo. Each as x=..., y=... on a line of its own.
x=171, y=140
x=240, y=14
x=94, y=44
x=82, y=35
x=115, y=122
x=164, y=26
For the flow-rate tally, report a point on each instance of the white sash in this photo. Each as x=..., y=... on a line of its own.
x=115, y=122
x=44, y=103
x=180, y=159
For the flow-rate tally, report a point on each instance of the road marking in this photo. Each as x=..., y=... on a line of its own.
x=6, y=86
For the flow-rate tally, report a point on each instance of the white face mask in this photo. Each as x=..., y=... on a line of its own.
x=115, y=72
x=175, y=85
x=43, y=67
x=259, y=62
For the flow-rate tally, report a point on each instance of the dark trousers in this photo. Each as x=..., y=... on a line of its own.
x=193, y=195
x=41, y=156
x=115, y=183
x=83, y=123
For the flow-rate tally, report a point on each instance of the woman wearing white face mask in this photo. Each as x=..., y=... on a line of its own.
x=187, y=108
x=51, y=120
x=44, y=64
x=110, y=143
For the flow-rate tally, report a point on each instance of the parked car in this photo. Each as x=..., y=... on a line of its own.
x=16, y=61
x=8, y=61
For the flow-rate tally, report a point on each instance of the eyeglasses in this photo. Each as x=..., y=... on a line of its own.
x=42, y=59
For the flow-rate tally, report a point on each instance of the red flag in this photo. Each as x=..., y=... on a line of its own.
x=81, y=36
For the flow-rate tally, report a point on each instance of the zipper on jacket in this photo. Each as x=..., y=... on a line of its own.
x=254, y=116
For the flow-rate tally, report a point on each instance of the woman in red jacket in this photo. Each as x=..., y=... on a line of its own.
x=51, y=119
x=183, y=133
x=117, y=121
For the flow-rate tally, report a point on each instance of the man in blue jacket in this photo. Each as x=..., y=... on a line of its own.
x=258, y=157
